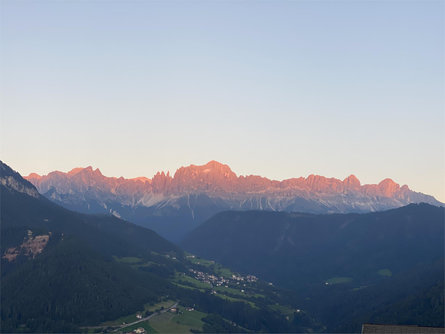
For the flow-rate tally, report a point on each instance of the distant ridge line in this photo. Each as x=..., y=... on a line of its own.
x=313, y=181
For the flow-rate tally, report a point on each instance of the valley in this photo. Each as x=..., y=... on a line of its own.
x=341, y=267
x=242, y=271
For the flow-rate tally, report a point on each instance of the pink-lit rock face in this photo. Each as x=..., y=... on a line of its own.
x=74, y=171
x=212, y=177
x=87, y=179
x=141, y=179
x=388, y=187
x=218, y=181
x=351, y=182
x=34, y=176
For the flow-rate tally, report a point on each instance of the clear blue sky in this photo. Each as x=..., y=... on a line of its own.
x=277, y=88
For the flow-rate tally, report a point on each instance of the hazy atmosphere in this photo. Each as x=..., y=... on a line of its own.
x=195, y=167
x=279, y=89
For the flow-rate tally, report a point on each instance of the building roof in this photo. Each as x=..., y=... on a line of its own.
x=397, y=329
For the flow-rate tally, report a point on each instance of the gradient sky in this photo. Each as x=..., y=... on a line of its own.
x=276, y=88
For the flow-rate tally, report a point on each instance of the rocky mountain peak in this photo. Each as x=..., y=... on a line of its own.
x=76, y=170
x=212, y=176
x=388, y=187
x=87, y=172
x=140, y=178
x=212, y=167
x=211, y=170
x=34, y=176
x=13, y=180
x=352, y=182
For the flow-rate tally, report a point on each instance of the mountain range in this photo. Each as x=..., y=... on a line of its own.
x=63, y=270
x=174, y=205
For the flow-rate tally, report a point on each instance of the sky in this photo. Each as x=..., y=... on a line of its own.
x=279, y=89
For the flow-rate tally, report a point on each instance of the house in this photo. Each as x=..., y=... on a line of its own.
x=139, y=330
x=396, y=329
x=139, y=316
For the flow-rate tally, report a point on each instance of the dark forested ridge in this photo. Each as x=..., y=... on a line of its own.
x=62, y=270
x=351, y=268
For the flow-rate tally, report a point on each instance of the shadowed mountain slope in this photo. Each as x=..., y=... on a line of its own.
x=352, y=268
x=58, y=269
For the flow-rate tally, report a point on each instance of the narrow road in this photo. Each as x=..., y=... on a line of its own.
x=146, y=318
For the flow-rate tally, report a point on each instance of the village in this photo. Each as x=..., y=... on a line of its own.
x=217, y=281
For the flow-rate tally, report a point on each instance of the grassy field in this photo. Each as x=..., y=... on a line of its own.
x=222, y=271
x=164, y=304
x=187, y=287
x=143, y=264
x=232, y=299
x=231, y=291
x=144, y=324
x=126, y=319
x=385, y=272
x=132, y=317
x=182, y=322
x=134, y=262
x=338, y=280
x=129, y=259
x=282, y=309
x=216, y=267
x=193, y=319
x=203, y=262
x=187, y=280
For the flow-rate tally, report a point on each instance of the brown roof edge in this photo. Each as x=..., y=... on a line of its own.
x=400, y=329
